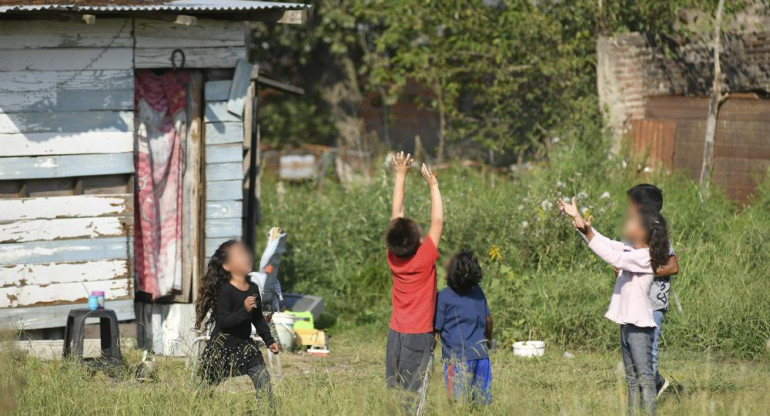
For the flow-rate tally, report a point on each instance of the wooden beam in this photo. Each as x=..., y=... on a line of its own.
x=290, y=17
x=272, y=83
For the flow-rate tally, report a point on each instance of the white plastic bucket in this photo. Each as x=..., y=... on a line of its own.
x=529, y=348
x=284, y=326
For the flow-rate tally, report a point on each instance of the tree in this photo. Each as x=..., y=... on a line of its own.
x=717, y=98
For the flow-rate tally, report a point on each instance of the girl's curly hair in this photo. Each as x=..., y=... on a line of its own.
x=464, y=272
x=215, y=276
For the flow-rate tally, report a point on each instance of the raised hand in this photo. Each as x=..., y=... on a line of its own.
x=401, y=163
x=430, y=177
x=570, y=209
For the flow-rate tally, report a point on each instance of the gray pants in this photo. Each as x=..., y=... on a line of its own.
x=406, y=359
x=636, y=349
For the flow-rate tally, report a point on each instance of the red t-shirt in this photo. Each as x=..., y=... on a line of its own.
x=414, y=290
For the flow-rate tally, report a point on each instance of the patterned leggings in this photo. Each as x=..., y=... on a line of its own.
x=261, y=379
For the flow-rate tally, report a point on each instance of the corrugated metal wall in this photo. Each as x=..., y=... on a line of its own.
x=674, y=130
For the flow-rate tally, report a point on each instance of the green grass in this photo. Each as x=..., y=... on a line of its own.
x=350, y=382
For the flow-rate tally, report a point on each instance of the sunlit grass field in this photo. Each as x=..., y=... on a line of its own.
x=350, y=382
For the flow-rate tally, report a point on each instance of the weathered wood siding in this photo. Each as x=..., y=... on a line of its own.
x=66, y=128
x=206, y=44
x=223, y=169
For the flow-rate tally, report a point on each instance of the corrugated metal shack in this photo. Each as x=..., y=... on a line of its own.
x=72, y=79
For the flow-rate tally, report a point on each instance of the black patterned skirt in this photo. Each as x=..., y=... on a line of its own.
x=220, y=360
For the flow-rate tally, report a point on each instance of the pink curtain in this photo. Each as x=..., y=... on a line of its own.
x=161, y=102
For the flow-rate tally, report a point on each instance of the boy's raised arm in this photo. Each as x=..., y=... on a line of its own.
x=436, y=205
x=401, y=165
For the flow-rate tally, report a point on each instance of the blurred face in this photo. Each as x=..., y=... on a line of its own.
x=632, y=208
x=634, y=231
x=239, y=260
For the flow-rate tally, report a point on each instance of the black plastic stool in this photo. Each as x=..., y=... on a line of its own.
x=108, y=329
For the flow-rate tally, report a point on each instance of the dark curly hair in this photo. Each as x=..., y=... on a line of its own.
x=403, y=237
x=464, y=272
x=660, y=247
x=215, y=276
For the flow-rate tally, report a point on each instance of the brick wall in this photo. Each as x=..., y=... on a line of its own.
x=630, y=69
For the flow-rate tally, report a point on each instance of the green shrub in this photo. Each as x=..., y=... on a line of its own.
x=539, y=275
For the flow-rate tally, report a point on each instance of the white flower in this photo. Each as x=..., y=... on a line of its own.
x=560, y=184
x=520, y=207
x=524, y=224
x=546, y=205
x=582, y=195
x=647, y=169
x=605, y=195
x=556, y=140
x=624, y=164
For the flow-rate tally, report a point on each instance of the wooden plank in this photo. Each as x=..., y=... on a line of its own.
x=29, y=81
x=223, y=227
x=218, y=90
x=23, y=34
x=35, y=188
x=223, y=133
x=224, y=171
x=11, y=297
x=67, y=122
x=91, y=142
x=65, y=166
x=63, y=228
x=80, y=206
x=217, y=111
x=106, y=184
x=224, y=153
x=239, y=88
x=66, y=59
x=191, y=191
x=213, y=243
x=224, y=190
x=65, y=251
x=81, y=100
x=205, y=33
x=56, y=315
x=224, y=209
x=52, y=273
x=219, y=57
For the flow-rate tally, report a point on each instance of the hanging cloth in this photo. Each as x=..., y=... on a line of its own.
x=161, y=125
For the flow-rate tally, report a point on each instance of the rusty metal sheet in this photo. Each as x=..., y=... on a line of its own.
x=656, y=139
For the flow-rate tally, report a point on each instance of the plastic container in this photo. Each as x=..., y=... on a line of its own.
x=303, y=320
x=284, y=326
x=93, y=302
x=529, y=348
x=99, y=298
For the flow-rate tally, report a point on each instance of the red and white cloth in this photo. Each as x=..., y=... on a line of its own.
x=161, y=125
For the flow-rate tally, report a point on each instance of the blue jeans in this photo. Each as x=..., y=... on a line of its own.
x=659, y=316
x=636, y=350
x=470, y=380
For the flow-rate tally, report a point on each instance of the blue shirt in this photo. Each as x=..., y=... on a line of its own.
x=461, y=321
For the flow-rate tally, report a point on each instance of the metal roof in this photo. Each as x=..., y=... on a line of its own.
x=157, y=6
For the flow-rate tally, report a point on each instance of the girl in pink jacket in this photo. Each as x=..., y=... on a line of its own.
x=630, y=305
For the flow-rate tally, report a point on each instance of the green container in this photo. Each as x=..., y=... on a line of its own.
x=304, y=320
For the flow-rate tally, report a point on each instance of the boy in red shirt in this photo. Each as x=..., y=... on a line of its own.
x=412, y=262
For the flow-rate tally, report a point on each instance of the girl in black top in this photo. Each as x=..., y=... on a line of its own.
x=234, y=304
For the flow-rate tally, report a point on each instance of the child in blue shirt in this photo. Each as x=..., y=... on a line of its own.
x=464, y=324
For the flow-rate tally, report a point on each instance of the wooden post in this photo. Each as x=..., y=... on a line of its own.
x=717, y=98
x=252, y=203
x=192, y=193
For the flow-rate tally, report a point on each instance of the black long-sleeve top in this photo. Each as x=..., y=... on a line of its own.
x=232, y=324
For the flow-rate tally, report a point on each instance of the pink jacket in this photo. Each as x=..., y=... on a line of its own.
x=630, y=302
